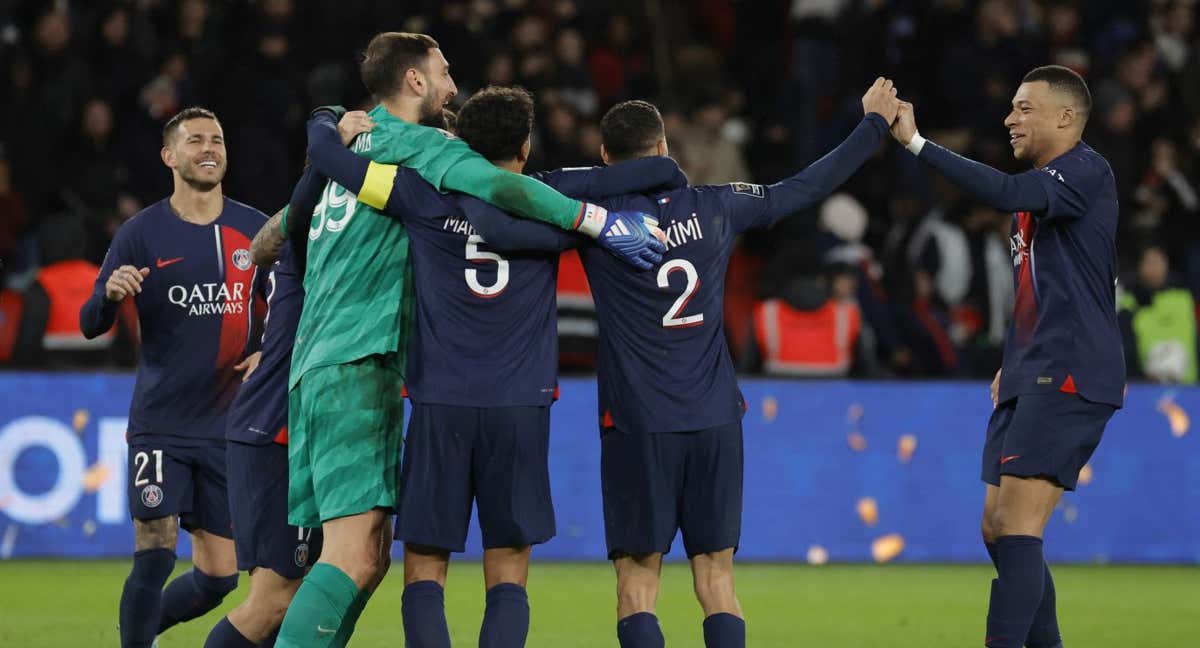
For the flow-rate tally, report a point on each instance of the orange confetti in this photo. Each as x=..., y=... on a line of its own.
x=887, y=547
x=855, y=413
x=770, y=408
x=1177, y=418
x=80, y=419
x=857, y=441
x=868, y=511
x=95, y=477
x=817, y=555
x=1085, y=475
x=905, y=447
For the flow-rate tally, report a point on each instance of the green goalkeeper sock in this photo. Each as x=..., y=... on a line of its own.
x=315, y=616
x=351, y=618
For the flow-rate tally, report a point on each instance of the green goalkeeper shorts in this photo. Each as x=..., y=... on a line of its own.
x=345, y=428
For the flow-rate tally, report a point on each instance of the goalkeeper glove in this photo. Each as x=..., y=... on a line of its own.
x=623, y=234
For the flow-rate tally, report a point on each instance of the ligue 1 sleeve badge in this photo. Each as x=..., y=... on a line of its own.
x=152, y=496
x=241, y=259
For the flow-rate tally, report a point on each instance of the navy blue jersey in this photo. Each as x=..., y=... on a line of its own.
x=1064, y=334
x=663, y=362
x=485, y=332
x=195, y=312
x=259, y=411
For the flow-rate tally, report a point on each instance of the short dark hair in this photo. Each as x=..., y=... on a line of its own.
x=496, y=121
x=630, y=127
x=450, y=120
x=1066, y=80
x=187, y=114
x=388, y=56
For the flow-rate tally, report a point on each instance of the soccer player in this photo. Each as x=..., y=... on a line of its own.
x=275, y=554
x=481, y=370
x=670, y=409
x=1063, y=372
x=344, y=406
x=186, y=262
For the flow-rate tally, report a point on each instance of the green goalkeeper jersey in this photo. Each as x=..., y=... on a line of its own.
x=357, y=280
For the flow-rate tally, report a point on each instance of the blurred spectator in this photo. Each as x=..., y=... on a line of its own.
x=1158, y=322
x=12, y=213
x=49, y=335
x=709, y=155
x=813, y=330
x=749, y=92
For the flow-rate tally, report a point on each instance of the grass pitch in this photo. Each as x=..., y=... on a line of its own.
x=58, y=603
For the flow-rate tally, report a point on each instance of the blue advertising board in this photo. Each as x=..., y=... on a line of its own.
x=838, y=471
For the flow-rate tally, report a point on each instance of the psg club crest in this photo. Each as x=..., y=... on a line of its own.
x=302, y=554
x=241, y=259
x=152, y=496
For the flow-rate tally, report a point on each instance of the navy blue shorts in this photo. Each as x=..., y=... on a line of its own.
x=655, y=484
x=258, y=505
x=494, y=456
x=1049, y=435
x=188, y=481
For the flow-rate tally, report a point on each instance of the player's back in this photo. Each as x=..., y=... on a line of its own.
x=663, y=361
x=195, y=312
x=484, y=323
x=259, y=411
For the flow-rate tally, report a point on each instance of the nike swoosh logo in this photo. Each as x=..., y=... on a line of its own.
x=325, y=630
x=1004, y=460
x=160, y=263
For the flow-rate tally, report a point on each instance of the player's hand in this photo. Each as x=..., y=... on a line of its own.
x=124, y=281
x=353, y=124
x=904, y=129
x=626, y=235
x=881, y=99
x=248, y=364
x=996, y=389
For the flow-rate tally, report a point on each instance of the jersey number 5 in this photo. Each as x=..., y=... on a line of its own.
x=672, y=318
x=475, y=255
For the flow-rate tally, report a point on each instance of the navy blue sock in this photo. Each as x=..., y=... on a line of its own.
x=224, y=635
x=992, y=553
x=1017, y=593
x=506, y=618
x=1044, y=631
x=193, y=594
x=723, y=630
x=140, y=596
x=640, y=630
x=423, y=608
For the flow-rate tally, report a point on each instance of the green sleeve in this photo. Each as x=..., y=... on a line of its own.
x=512, y=192
x=446, y=162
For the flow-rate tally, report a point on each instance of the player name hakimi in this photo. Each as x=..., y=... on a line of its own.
x=682, y=232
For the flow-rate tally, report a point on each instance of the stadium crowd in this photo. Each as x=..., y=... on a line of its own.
x=896, y=275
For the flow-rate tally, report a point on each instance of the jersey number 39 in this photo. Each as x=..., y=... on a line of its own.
x=475, y=255
x=672, y=319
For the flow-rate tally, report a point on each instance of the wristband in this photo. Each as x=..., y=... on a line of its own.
x=916, y=144
x=591, y=220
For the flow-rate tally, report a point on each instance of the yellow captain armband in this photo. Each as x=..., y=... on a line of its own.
x=377, y=186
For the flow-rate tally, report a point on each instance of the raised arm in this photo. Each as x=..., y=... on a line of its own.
x=119, y=278
x=996, y=189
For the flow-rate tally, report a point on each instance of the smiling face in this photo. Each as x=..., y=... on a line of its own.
x=439, y=85
x=1037, y=116
x=196, y=151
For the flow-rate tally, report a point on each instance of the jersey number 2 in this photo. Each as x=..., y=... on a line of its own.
x=475, y=255
x=672, y=318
